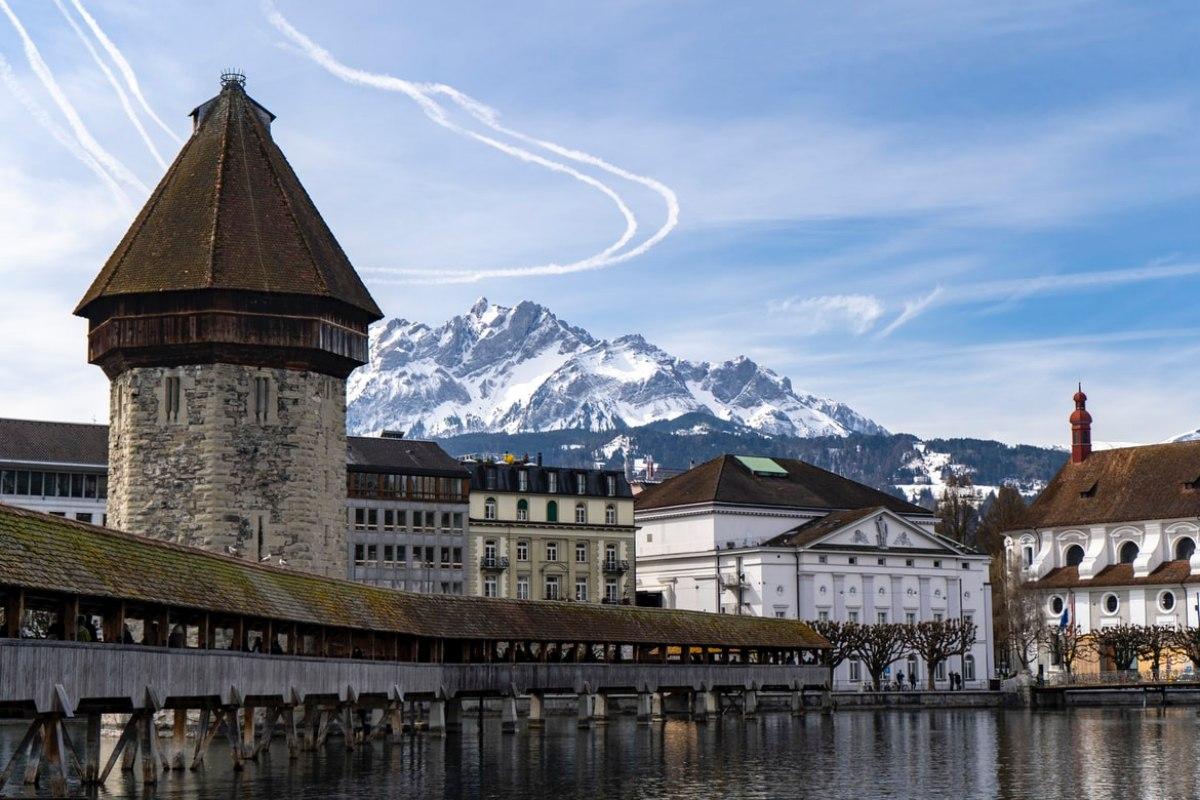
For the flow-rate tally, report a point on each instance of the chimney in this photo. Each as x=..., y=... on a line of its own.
x=1081, y=429
x=539, y=459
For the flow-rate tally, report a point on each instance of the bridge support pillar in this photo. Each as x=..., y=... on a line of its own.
x=233, y=731
x=750, y=703
x=349, y=734
x=395, y=720
x=798, y=709
x=178, y=737
x=508, y=713
x=248, y=749
x=437, y=718
x=290, y=733
x=91, y=755
x=537, y=709
x=150, y=754
x=826, y=703
x=600, y=709
x=704, y=705
x=454, y=714
x=583, y=713
x=656, y=706
x=645, y=711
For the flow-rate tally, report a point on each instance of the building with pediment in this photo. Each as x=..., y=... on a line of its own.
x=1112, y=538
x=783, y=538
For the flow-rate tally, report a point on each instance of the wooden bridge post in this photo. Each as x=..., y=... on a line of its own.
x=600, y=708
x=437, y=717
x=583, y=709
x=149, y=748
x=537, y=709
x=750, y=702
x=249, y=752
x=704, y=704
x=644, y=709
x=508, y=713
x=656, y=706
x=233, y=731
x=178, y=737
x=91, y=744
x=210, y=723
x=798, y=709
x=29, y=742
x=452, y=715
x=288, y=713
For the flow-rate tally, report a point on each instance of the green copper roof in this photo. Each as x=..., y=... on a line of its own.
x=761, y=466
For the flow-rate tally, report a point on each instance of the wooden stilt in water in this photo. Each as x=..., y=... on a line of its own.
x=91, y=756
x=33, y=765
x=249, y=751
x=210, y=723
x=233, y=730
x=179, y=737
x=52, y=750
x=125, y=745
x=149, y=746
x=289, y=731
x=28, y=739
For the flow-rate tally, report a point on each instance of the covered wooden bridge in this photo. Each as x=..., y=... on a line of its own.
x=94, y=621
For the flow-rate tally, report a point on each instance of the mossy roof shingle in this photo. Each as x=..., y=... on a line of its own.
x=42, y=552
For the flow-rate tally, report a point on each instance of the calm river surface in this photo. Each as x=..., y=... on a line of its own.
x=1090, y=753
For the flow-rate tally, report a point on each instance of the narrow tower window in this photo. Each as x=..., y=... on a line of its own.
x=171, y=398
x=262, y=400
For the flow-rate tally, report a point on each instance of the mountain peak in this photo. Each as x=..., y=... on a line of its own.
x=500, y=369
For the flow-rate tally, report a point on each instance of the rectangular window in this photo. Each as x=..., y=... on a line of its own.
x=446, y=521
x=910, y=618
x=937, y=564
x=372, y=554
x=881, y=562
x=966, y=565
x=552, y=551
x=8, y=482
x=76, y=485
x=610, y=554
x=852, y=616
x=489, y=549
x=940, y=672
x=937, y=617
x=522, y=551
x=429, y=562
x=35, y=485
x=580, y=483
x=457, y=557
x=881, y=617
x=359, y=554
x=610, y=590
x=522, y=587
x=446, y=557
x=908, y=562
x=610, y=515
x=401, y=554
x=581, y=552
x=852, y=560
x=84, y=517
x=490, y=586
x=262, y=399
x=580, y=514
x=780, y=614
x=581, y=589
x=823, y=615
x=855, y=671
x=523, y=481
x=360, y=519
x=552, y=482
x=389, y=554
x=611, y=485
x=822, y=559
x=171, y=400
x=389, y=519
x=458, y=522
x=553, y=584
x=401, y=519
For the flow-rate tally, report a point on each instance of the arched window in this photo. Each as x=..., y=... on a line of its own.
x=1074, y=555
x=580, y=513
x=1129, y=553
x=1027, y=555
x=522, y=509
x=610, y=514
x=489, y=508
x=1184, y=548
x=552, y=511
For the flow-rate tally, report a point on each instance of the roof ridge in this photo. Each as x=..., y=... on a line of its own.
x=218, y=186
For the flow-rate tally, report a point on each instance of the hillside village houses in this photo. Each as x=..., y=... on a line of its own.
x=1112, y=539
x=780, y=537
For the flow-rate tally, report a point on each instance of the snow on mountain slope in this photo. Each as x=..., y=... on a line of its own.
x=498, y=369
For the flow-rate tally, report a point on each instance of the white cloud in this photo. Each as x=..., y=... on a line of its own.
x=853, y=312
x=912, y=308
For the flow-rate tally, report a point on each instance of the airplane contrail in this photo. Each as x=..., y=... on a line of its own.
x=112, y=79
x=56, y=131
x=123, y=65
x=82, y=134
x=422, y=94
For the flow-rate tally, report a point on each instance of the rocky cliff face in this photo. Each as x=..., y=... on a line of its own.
x=519, y=369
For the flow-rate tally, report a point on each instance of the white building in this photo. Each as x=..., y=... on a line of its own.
x=1112, y=538
x=779, y=537
x=58, y=468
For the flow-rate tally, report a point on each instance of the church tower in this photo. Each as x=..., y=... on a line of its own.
x=227, y=321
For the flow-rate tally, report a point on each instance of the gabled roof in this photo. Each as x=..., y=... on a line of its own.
x=813, y=531
x=1157, y=481
x=42, y=552
x=230, y=214
x=1166, y=573
x=726, y=479
x=53, y=442
x=408, y=456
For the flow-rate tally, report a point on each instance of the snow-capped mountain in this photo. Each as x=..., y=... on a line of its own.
x=508, y=370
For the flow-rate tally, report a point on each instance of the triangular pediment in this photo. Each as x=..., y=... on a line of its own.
x=883, y=530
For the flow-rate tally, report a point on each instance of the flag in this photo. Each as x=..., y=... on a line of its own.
x=1068, y=612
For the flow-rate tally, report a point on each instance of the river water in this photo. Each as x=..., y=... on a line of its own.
x=1086, y=753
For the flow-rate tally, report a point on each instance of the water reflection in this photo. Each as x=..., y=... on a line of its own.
x=854, y=755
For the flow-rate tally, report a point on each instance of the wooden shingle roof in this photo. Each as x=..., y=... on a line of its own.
x=230, y=214
x=1157, y=481
x=46, y=553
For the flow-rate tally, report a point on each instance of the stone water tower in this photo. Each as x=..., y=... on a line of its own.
x=227, y=321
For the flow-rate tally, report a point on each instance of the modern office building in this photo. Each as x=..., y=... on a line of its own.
x=60, y=468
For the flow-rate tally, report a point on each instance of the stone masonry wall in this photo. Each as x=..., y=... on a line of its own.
x=221, y=479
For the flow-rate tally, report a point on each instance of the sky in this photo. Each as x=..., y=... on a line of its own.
x=945, y=214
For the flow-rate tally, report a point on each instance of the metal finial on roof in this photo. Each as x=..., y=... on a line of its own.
x=233, y=77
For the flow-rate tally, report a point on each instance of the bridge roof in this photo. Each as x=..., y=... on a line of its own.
x=52, y=554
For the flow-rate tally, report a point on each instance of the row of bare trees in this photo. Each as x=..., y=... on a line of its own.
x=880, y=645
x=1123, y=644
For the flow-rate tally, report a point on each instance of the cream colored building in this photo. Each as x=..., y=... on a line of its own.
x=541, y=532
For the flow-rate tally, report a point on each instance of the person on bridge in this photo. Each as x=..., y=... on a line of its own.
x=83, y=631
x=177, y=637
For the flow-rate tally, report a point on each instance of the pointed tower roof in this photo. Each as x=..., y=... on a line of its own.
x=230, y=214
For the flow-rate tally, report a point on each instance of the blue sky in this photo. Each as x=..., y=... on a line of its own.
x=944, y=214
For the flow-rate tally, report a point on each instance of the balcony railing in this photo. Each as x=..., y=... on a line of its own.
x=616, y=565
x=493, y=563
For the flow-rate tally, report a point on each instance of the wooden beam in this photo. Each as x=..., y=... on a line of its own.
x=13, y=612
x=128, y=734
x=205, y=735
x=30, y=735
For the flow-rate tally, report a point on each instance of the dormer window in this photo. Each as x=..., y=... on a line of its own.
x=580, y=483
x=1192, y=485
x=1090, y=491
x=552, y=482
x=523, y=480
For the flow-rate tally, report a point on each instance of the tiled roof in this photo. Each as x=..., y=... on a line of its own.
x=231, y=214
x=41, y=552
x=1168, y=572
x=408, y=456
x=500, y=477
x=53, y=442
x=727, y=480
x=1157, y=481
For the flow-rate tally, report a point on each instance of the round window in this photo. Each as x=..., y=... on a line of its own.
x=1056, y=605
x=1166, y=601
x=1111, y=603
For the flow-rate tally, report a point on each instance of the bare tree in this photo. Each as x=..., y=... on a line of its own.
x=1121, y=643
x=878, y=646
x=843, y=638
x=1187, y=641
x=937, y=640
x=1153, y=640
x=958, y=510
x=1019, y=623
x=1006, y=512
x=1069, y=643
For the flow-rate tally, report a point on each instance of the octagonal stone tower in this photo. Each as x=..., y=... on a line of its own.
x=227, y=321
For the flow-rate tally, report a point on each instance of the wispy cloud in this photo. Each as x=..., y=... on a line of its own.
x=856, y=313
x=912, y=308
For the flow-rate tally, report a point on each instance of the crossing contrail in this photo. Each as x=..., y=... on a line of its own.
x=56, y=131
x=112, y=79
x=82, y=134
x=123, y=65
x=423, y=95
